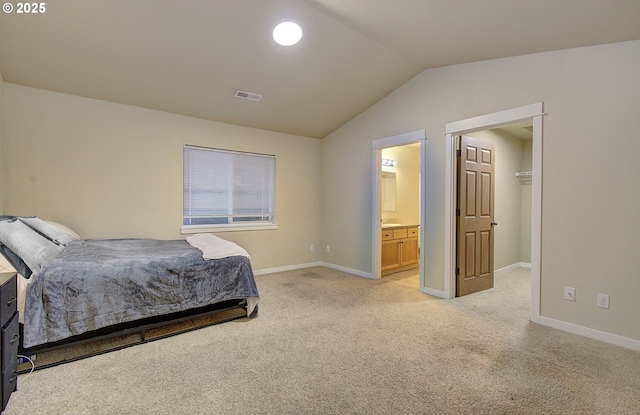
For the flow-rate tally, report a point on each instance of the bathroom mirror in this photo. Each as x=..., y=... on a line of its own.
x=388, y=191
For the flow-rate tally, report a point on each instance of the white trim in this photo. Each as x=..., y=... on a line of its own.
x=591, y=333
x=226, y=228
x=511, y=267
x=376, y=239
x=449, y=218
x=532, y=112
x=423, y=215
x=348, y=270
x=400, y=139
x=495, y=120
x=286, y=268
x=313, y=264
x=536, y=218
x=434, y=292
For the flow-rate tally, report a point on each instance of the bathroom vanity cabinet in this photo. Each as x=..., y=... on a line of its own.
x=399, y=248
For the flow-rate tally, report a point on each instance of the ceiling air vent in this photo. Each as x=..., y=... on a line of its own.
x=247, y=95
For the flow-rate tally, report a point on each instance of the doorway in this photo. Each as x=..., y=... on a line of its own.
x=534, y=114
x=509, y=210
x=417, y=139
x=400, y=222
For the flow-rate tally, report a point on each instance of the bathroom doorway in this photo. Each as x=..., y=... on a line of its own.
x=399, y=206
x=400, y=222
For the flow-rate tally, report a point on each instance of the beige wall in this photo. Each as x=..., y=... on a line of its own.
x=508, y=208
x=407, y=184
x=592, y=97
x=109, y=170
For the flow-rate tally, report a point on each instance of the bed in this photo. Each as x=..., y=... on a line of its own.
x=72, y=288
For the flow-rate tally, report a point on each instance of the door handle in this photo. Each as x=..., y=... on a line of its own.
x=494, y=223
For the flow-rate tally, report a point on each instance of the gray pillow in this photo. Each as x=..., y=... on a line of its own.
x=34, y=249
x=51, y=232
x=16, y=262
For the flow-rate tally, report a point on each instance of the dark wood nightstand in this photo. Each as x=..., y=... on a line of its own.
x=10, y=337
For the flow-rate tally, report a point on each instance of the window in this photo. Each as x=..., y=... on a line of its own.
x=227, y=190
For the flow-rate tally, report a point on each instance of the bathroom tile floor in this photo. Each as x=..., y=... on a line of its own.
x=409, y=278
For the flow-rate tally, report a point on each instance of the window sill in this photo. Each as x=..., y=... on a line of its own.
x=227, y=228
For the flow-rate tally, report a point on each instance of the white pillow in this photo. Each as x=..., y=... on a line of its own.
x=54, y=234
x=64, y=229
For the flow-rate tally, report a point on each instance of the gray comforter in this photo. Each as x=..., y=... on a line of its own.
x=93, y=284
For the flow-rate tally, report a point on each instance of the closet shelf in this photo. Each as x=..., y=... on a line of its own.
x=525, y=177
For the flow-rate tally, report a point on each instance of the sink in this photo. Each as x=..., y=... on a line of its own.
x=391, y=225
x=397, y=225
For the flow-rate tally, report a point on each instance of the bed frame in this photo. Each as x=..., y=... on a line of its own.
x=129, y=334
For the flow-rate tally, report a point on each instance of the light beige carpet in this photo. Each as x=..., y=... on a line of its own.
x=327, y=342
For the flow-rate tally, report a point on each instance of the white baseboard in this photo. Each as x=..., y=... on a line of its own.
x=591, y=333
x=434, y=292
x=348, y=270
x=287, y=268
x=314, y=264
x=512, y=267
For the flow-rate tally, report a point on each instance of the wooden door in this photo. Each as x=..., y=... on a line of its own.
x=476, y=181
x=391, y=254
x=409, y=251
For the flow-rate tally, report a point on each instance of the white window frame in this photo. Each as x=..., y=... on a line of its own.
x=269, y=223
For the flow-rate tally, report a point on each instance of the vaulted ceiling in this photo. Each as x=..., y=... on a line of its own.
x=189, y=57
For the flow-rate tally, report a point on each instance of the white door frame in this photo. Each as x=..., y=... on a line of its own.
x=534, y=113
x=376, y=154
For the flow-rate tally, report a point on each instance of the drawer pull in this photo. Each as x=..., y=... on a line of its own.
x=11, y=300
x=15, y=339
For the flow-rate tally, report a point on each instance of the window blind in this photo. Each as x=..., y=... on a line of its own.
x=225, y=188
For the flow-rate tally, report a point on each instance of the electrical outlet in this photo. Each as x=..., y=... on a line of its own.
x=328, y=249
x=312, y=248
x=603, y=300
x=570, y=293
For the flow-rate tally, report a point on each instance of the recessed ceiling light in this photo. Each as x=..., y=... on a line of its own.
x=287, y=33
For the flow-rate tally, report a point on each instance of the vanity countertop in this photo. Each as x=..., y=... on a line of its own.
x=396, y=226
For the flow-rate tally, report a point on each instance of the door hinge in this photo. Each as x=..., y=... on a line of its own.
x=457, y=212
x=457, y=271
x=458, y=153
